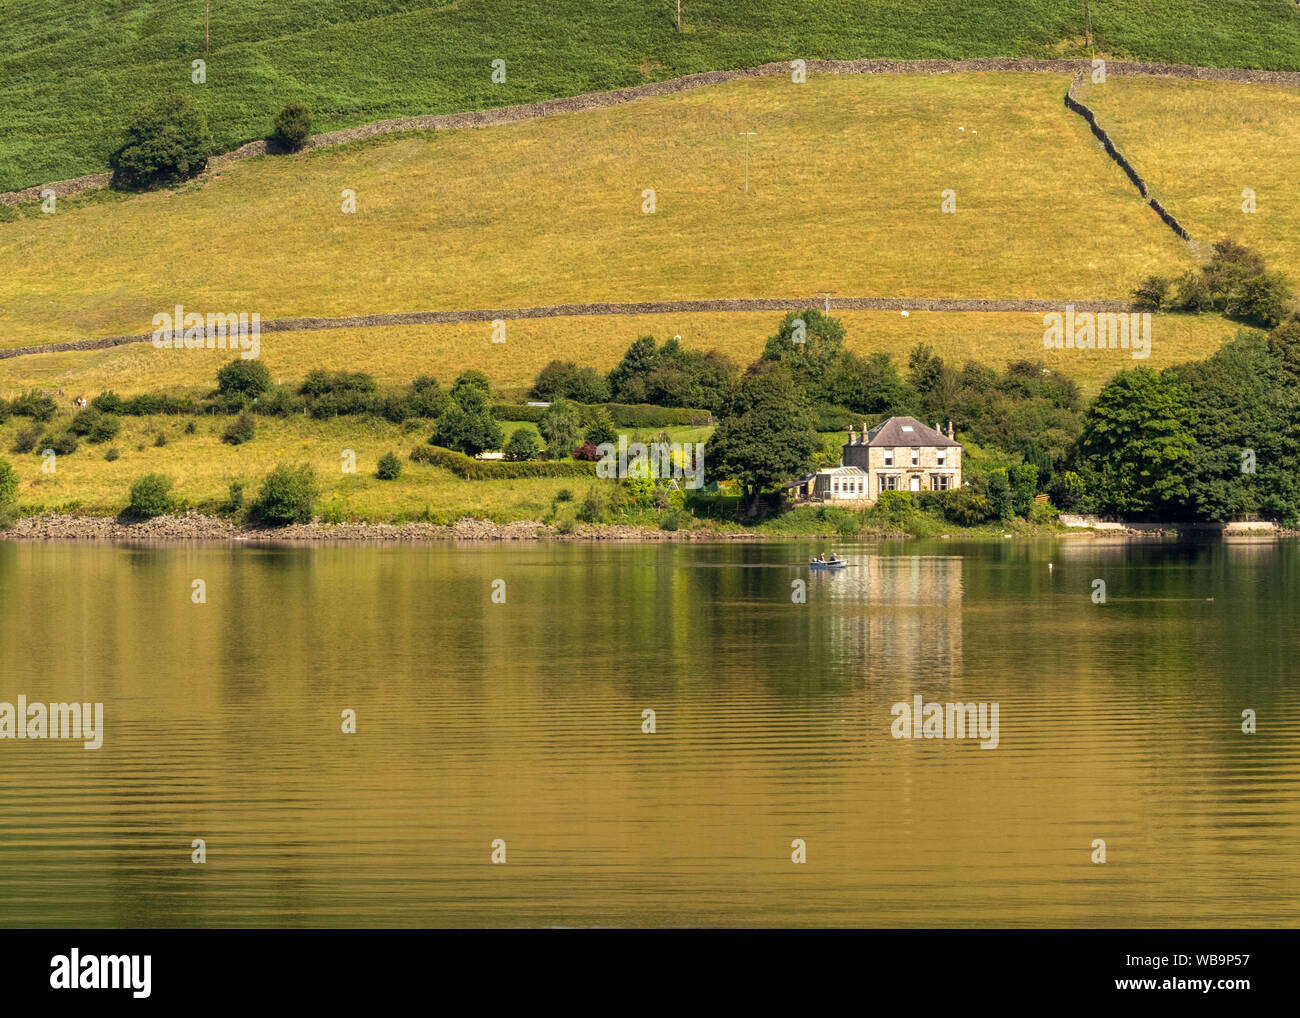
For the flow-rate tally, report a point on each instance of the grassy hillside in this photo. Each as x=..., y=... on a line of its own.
x=71, y=72
x=846, y=180
x=395, y=356
x=1221, y=140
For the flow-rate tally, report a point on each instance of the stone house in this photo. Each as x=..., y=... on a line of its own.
x=899, y=454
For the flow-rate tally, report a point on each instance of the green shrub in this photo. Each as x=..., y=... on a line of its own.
x=235, y=499
x=293, y=126
x=8, y=483
x=35, y=405
x=1153, y=293
x=961, y=505
x=565, y=525
x=564, y=495
x=287, y=495
x=470, y=469
x=894, y=508
x=108, y=402
x=522, y=445
x=95, y=425
x=26, y=439
x=390, y=467
x=240, y=430
x=64, y=444
x=151, y=496
x=191, y=428
x=166, y=141
x=112, y=455
x=160, y=440
x=592, y=507
x=243, y=379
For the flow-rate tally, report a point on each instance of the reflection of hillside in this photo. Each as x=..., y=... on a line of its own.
x=911, y=614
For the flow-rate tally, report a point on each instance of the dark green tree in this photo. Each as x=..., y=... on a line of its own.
x=764, y=434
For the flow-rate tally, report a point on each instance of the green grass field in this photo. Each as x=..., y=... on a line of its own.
x=847, y=176
x=71, y=73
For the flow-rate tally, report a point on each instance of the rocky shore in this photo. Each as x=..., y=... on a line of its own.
x=196, y=526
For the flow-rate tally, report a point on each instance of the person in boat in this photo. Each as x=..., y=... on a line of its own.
x=821, y=557
x=833, y=558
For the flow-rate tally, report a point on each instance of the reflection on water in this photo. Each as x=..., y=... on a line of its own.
x=523, y=721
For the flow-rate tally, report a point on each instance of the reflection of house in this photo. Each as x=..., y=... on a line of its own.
x=900, y=454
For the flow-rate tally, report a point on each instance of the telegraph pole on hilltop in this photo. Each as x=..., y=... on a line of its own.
x=679, y=16
x=1087, y=24
x=206, y=5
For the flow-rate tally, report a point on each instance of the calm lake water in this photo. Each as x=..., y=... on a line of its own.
x=522, y=721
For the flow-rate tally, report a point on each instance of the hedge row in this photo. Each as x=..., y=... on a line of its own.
x=624, y=415
x=472, y=469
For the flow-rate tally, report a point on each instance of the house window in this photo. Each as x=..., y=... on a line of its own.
x=888, y=482
x=940, y=482
x=916, y=457
x=941, y=457
x=889, y=457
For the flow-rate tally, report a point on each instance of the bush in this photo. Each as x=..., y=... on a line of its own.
x=961, y=505
x=168, y=140
x=26, y=439
x=151, y=496
x=293, y=126
x=894, y=507
x=564, y=495
x=95, y=425
x=235, y=498
x=592, y=507
x=390, y=467
x=108, y=402
x=147, y=404
x=8, y=483
x=112, y=455
x=64, y=444
x=35, y=405
x=586, y=451
x=523, y=445
x=287, y=495
x=243, y=379
x=160, y=440
x=471, y=469
x=240, y=430
x=624, y=415
x=1153, y=293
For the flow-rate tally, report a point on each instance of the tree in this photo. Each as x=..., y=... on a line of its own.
x=243, y=379
x=870, y=386
x=293, y=126
x=167, y=140
x=1137, y=442
x=389, y=467
x=764, y=434
x=151, y=496
x=287, y=495
x=561, y=427
x=599, y=426
x=466, y=423
x=809, y=344
x=565, y=380
x=522, y=445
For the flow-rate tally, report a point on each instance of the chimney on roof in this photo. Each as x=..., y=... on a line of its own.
x=853, y=436
x=950, y=428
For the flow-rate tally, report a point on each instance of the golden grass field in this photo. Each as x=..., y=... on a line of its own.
x=846, y=175
x=1201, y=144
x=203, y=468
x=397, y=355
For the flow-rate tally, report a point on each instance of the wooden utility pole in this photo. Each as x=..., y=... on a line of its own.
x=206, y=5
x=1087, y=24
x=748, y=135
x=679, y=15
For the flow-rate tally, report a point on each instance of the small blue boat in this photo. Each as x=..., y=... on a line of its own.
x=838, y=563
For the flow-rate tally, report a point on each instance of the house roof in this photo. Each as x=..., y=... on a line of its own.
x=908, y=431
x=843, y=471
